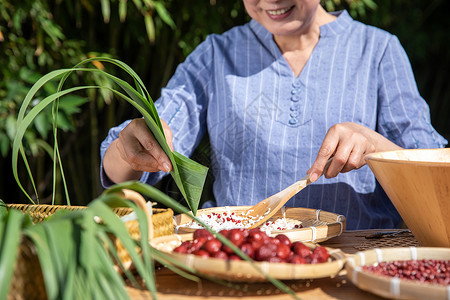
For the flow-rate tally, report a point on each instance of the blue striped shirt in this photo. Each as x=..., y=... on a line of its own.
x=266, y=125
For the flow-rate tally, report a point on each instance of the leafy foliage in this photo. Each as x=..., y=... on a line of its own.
x=76, y=251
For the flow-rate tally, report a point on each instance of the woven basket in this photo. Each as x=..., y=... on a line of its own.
x=161, y=225
x=243, y=271
x=28, y=282
x=318, y=225
x=393, y=287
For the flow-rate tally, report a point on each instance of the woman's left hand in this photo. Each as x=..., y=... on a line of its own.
x=348, y=143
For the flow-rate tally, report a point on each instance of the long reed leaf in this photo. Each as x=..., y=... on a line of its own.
x=9, y=247
x=188, y=175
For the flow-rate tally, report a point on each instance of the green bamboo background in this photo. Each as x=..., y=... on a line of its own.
x=38, y=36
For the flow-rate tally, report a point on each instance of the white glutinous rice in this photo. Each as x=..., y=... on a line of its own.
x=230, y=220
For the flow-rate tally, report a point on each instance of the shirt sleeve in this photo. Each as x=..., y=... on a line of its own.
x=182, y=105
x=404, y=116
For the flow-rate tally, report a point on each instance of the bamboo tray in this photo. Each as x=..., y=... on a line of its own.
x=318, y=225
x=395, y=288
x=243, y=271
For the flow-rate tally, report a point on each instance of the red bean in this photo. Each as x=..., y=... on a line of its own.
x=203, y=233
x=284, y=239
x=424, y=270
x=236, y=236
x=221, y=255
x=301, y=249
x=320, y=255
x=212, y=246
x=283, y=251
x=265, y=252
x=248, y=249
x=202, y=253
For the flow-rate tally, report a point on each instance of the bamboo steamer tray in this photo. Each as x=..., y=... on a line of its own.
x=395, y=288
x=243, y=271
x=318, y=225
x=417, y=182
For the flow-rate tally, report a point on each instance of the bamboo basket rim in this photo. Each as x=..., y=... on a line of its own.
x=243, y=271
x=377, y=156
x=324, y=224
x=396, y=288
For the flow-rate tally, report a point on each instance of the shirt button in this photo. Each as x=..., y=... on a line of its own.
x=295, y=91
x=295, y=98
x=293, y=121
x=293, y=114
x=296, y=84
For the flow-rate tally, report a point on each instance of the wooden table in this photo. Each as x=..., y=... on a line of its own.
x=172, y=286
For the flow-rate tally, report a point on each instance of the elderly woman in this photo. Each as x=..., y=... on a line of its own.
x=278, y=97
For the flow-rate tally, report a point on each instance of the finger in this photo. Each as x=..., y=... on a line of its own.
x=355, y=160
x=326, y=151
x=135, y=155
x=140, y=148
x=151, y=145
x=168, y=134
x=153, y=148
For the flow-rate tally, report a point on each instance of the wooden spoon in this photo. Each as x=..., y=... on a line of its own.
x=269, y=206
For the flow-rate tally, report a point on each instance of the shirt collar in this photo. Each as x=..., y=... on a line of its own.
x=337, y=26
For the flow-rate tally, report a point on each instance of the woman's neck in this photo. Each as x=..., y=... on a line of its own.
x=297, y=48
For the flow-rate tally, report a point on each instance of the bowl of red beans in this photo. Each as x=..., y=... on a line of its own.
x=417, y=181
x=402, y=273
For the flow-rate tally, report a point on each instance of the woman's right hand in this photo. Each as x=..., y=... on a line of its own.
x=136, y=151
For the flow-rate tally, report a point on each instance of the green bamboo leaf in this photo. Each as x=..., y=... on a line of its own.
x=140, y=86
x=11, y=126
x=138, y=4
x=122, y=10
x=24, y=124
x=42, y=125
x=4, y=144
x=39, y=238
x=71, y=273
x=9, y=248
x=62, y=241
x=116, y=226
x=106, y=240
x=189, y=179
x=106, y=10
x=71, y=104
x=3, y=215
x=150, y=27
x=164, y=14
x=370, y=4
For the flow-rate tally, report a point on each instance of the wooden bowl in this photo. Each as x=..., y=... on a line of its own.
x=418, y=184
x=395, y=288
x=243, y=271
x=318, y=225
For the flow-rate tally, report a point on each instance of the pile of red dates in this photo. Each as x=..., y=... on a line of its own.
x=254, y=243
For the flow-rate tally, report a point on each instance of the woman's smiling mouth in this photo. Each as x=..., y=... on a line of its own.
x=279, y=12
